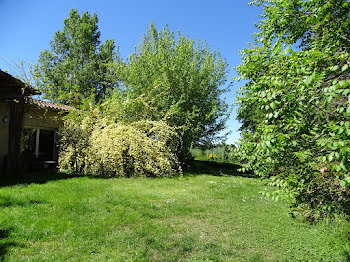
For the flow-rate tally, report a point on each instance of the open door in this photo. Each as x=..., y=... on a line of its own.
x=39, y=148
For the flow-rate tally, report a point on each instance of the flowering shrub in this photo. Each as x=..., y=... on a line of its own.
x=75, y=140
x=212, y=156
x=97, y=146
x=126, y=150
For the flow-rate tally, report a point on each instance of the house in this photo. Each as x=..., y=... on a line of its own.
x=28, y=127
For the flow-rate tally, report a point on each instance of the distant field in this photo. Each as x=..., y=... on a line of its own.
x=198, y=217
x=203, y=154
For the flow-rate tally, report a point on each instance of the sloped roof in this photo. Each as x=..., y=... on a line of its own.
x=14, y=86
x=9, y=82
x=49, y=105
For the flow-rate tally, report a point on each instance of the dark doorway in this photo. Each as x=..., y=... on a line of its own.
x=38, y=149
x=46, y=145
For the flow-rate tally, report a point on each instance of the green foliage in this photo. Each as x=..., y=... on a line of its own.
x=223, y=153
x=169, y=78
x=179, y=81
x=295, y=105
x=92, y=144
x=77, y=65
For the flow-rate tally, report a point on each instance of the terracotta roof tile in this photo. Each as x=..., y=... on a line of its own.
x=50, y=105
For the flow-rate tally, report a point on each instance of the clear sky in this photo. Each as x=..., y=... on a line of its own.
x=227, y=25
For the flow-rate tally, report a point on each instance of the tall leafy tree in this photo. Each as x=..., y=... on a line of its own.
x=295, y=105
x=179, y=81
x=76, y=66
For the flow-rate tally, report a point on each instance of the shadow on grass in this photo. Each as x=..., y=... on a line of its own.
x=346, y=255
x=6, y=201
x=199, y=167
x=5, y=244
x=33, y=178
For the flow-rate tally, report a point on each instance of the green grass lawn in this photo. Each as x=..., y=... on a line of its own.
x=198, y=217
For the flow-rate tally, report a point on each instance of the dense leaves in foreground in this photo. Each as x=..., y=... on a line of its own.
x=295, y=107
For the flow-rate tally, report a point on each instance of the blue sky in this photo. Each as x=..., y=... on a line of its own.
x=227, y=25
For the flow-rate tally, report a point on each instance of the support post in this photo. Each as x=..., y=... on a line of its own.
x=54, y=151
x=37, y=142
x=14, y=165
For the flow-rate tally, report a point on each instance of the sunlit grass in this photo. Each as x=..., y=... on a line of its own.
x=190, y=218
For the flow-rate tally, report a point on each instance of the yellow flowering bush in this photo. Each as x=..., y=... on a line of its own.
x=125, y=150
x=212, y=156
x=142, y=148
x=75, y=139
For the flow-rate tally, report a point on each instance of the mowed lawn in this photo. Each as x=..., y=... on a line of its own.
x=192, y=218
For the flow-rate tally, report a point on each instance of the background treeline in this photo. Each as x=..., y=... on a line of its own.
x=220, y=153
x=169, y=85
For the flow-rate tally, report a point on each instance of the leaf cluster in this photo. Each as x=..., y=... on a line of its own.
x=177, y=80
x=93, y=144
x=295, y=107
x=77, y=64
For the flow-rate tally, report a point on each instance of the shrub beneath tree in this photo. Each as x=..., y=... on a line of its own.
x=95, y=145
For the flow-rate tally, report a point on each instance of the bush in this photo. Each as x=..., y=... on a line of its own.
x=95, y=146
x=223, y=153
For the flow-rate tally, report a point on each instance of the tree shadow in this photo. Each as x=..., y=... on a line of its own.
x=200, y=167
x=6, y=201
x=34, y=178
x=197, y=167
x=5, y=243
x=346, y=254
